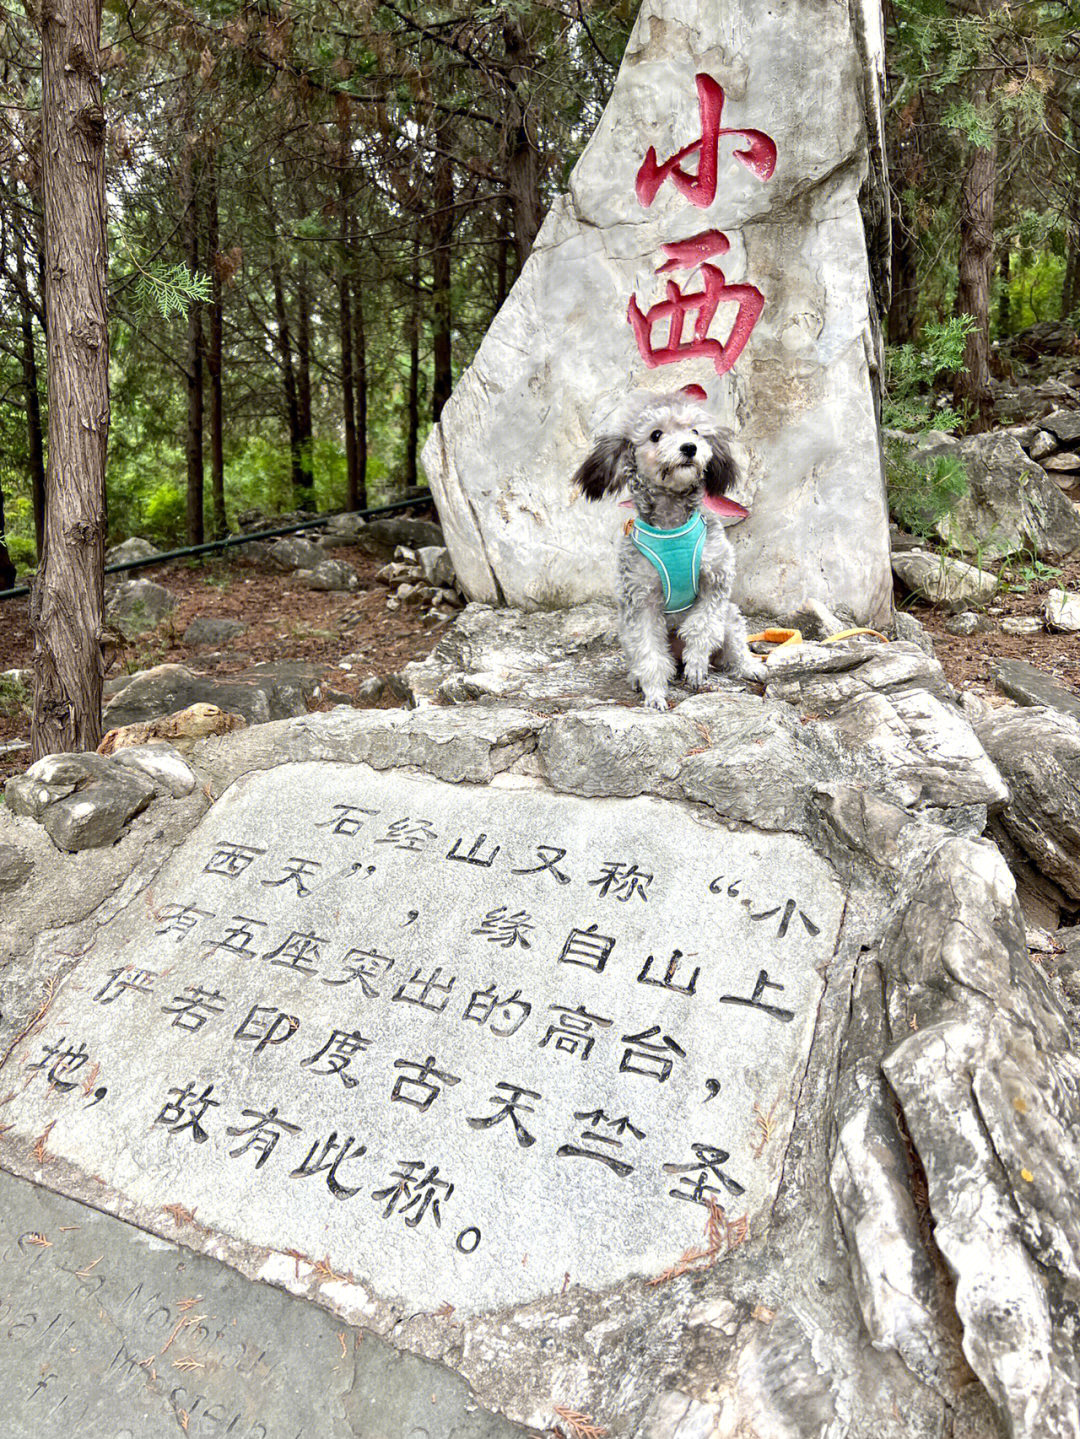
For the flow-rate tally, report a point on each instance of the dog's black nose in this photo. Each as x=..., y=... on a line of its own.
x=689, y=450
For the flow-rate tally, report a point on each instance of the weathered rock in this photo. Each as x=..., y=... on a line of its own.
x=382, y=536
x=561, y=349
x=1030, y=402
x=1037, y=751
x=1041, y=444
x=328, y=575
x=1030, y=686
x=16, y=867
x=346, y=526
x=907, y=627
x=370, y=691
x=967, y=622
x=180, y=729
x=1062, y=610
x=436, y=564
x=167, y=688
x=390, y=574
x=160, y=763
x=97, y=813
x=291, y=552
x=1065, y=460
x=138, y=605
x=52, y=779
x=941, y=579
x=210, y=630
x=135, y=548
x=1064, y=425
x=1021, y=625
x=1010, y=504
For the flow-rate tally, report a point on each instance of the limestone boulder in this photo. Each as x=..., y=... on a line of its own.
x=1037, y=751
x=83, y=800
x=382, y=536
x=163, y=690
x=135, y=548
x=943, y=580
x=138, y=605
x=293, y=552
x=1028, y=685
x=1062, y=610
x=212, y=630
x=1011, y=504
x=327, y=575
x=563, y=351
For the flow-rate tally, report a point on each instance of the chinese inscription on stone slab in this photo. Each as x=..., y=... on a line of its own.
x=462, y=1042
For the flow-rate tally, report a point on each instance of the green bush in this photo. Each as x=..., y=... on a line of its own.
x=922, y=489
x=164, y=515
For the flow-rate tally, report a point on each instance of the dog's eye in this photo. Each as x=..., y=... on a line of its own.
x=655, y=435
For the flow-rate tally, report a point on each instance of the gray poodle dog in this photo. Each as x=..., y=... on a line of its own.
x=676, y=565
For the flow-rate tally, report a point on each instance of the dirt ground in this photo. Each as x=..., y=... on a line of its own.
x=283, y=623
x=287, y=623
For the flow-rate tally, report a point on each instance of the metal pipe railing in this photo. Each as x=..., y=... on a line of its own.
x=315, y=523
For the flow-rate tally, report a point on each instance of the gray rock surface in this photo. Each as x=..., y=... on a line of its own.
x=383, y=536
x=912, y=1275
x=89, y=1315
x=211, y=630
x=941, y=579
x=1011, y=504
x=1062, y=610
x=1038, y=753
x=1064, y=425
x=164, y=766
x=293, y=552
x=135, y=548
x=436, y=564
x=138, y=605
x=1030, y=686
x=83, y=800
x=907, y=627
x=257, y=696
x=561, y=351
x=327, y=575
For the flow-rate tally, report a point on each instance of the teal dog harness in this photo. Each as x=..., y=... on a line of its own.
x=676, y=554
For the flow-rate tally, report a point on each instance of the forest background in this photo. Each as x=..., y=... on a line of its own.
x=315, y=209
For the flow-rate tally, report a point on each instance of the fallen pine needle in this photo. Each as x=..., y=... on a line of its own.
x=341, y=1341
x=179, y=1213
x=85, y=1273
x=183, y=1305
x=40, y=1241
x=89, y=1084
x=580, y=1425
x=39, y=1143
x=187, y=1364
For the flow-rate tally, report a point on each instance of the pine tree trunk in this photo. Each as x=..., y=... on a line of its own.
x=360, y=384
x=214, y=359
x=1070, y=290
x=288, y=375
x=523, y=166
x=35, y=447
x=975, y=263
x=903, y=307
x=305, y=498
x=348, y=399
x=442, y=233
x=412, y=413
x=1003, y=293
x=7, y=568
x=67, y=602
x=193, y=446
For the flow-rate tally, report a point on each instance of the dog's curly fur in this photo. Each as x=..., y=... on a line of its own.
x=669, y=453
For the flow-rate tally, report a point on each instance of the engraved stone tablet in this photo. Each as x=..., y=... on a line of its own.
x=461, y=1045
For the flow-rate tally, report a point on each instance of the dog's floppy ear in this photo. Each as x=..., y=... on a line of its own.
x=606, y=468
x=721, y=472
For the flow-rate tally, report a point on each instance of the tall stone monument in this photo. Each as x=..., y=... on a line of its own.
x=720, y=231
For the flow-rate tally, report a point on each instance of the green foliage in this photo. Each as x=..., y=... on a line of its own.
x=164, y=513
x=14, y=697
x=922, y=490
x=912, y=369
x=1020, y=571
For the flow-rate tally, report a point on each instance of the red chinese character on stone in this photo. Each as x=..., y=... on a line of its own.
x=715, y=291
x=759, y=156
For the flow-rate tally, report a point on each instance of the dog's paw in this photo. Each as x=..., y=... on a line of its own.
x=697, y=676
x=656, y=700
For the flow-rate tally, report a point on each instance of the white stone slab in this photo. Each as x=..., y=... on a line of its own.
x=561, y=353
x=546, y=969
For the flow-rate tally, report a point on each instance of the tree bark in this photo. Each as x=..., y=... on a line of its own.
x=305, y=496
x=1003, y=293
x=412, y=412
x=7, y=568
x=214, y=358
x=193, y=446
x=975, y=263
x=1070, y=290
x=360, y=383
x=288, y=375
x=523, y=163
x=35, y=447
x=67, y=603
x=441, y=223
x=352, y=482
